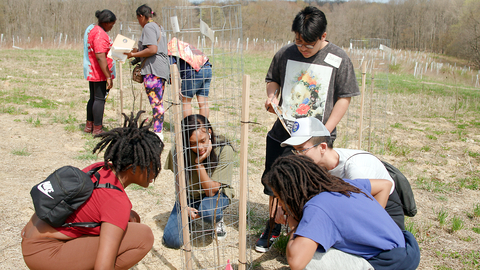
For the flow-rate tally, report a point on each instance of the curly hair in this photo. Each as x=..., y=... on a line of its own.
x=131, y=146
x=296, y=179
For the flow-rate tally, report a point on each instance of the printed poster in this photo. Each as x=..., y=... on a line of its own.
x=305, y=90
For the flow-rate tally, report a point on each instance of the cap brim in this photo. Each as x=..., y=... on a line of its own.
x=294, y=141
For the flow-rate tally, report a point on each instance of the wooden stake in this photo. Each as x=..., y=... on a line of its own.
x=242, y=224
x=372, y=86
x=121, y=90
x=362, y=101
x=180, y=165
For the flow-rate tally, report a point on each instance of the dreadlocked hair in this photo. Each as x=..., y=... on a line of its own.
x=296, y=179
x=131, y=146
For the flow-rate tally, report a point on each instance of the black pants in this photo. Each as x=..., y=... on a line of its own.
x=273, y=151
x=395, y=209
x=96, y=103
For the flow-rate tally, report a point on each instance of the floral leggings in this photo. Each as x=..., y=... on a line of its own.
x=155, y=86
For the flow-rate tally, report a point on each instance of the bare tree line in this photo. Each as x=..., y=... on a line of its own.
x=442, y=26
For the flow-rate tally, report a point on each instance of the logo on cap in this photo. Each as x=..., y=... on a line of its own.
x=295, y=127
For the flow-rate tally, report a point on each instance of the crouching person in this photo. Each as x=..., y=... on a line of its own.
x=132, y=156
x=337, y=224
x=208, y=161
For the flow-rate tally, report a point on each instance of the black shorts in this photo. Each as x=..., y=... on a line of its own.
x=273, y=151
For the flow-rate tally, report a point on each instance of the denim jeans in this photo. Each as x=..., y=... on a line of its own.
x=198, y=84
x=172, y=235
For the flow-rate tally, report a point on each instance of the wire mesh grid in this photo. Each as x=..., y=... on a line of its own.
x=221, y=43
x=371, y=117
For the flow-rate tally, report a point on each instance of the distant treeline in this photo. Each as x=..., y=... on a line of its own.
x=450, y=27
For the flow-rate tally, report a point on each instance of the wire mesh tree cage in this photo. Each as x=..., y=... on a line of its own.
x=217, y=32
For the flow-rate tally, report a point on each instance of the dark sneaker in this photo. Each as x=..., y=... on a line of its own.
x=264, y=244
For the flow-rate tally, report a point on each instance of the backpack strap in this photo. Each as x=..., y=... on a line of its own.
x=94, y=172
x=97, y=184
x=345, y=163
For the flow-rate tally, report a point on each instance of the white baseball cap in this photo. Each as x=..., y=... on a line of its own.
x=305, y=128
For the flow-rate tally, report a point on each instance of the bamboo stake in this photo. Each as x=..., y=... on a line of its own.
x=242, y=226
x=362, y=101
x=180, y=165
x=372, y=86
x=121, y=90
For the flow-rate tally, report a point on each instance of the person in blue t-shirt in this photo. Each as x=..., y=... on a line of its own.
x=338, y=224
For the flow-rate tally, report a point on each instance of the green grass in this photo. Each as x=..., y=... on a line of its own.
x=442, y=198
x=64, y=120
x=433, y=184
x=281, y=244
x=457, y=224
x=21, y=152
x=411, y=227
x=20, y=98
x=215, y=107
x=473, y=154
x=476, y=229
x=260, y=129
x=431, y=137
x=35, y=122
x=71, y=128
x=476, y=210
x=442, y=267
x=425, y=148
x=86, y=156
x=12, y=110
x=470, y=260
x=442, y=216
x=472, y=183
x=397, y=125
x=395, y=149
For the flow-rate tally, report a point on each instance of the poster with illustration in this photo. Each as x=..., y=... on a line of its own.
x=305, y=90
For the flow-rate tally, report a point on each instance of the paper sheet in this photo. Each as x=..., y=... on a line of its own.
x=120, y=46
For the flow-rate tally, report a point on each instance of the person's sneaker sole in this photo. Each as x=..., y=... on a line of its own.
x=262, y=249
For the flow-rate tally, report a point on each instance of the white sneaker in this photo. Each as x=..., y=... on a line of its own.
x=221, y=230
x=160, y=135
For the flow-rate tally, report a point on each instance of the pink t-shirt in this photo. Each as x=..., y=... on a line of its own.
x=105, y=205
x=98, y=41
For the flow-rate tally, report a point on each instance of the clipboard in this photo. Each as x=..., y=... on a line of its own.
x=121, y=45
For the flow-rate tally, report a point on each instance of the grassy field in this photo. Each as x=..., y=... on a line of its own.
x=432, y=134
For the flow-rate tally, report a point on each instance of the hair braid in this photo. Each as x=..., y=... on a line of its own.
x=297, y=179
x=131, y=146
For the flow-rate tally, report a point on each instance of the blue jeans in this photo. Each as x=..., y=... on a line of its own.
x=198, y=84
x=172, y=235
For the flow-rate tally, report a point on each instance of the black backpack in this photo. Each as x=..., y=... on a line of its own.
x=62, y=192
x=402, y=186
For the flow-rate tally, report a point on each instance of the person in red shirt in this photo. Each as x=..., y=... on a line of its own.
x=132, y=156
x=98, y=70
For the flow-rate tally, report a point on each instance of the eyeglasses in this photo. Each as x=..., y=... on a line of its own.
x=301, y=152
x=307, y=46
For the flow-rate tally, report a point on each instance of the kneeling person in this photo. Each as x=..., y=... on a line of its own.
x=336, y=224
x=311, y=138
